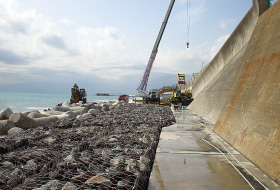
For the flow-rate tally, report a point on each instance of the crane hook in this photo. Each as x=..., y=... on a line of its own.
x=188, y=44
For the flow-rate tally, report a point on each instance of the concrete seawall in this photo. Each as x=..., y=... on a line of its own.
x=240, y=88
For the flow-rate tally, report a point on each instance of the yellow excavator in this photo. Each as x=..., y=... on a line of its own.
x=181, y=95
x=78, y=94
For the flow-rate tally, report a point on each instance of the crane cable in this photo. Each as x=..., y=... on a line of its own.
x=188, y=21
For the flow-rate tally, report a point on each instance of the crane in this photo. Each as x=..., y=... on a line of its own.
x=141, y=90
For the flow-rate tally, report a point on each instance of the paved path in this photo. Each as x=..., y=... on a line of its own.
x=186, y=159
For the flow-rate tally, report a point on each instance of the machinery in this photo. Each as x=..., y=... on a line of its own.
x=124, y=98
x=165, y=101
x=181, y=95
x=152, y=98
x=78, y=94
x=141, y=90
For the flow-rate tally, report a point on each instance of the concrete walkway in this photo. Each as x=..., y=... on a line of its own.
x=186, y=159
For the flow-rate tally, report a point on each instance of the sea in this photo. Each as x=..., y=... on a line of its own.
x=22, y=102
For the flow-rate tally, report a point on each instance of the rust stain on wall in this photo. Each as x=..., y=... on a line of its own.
x=252, y=100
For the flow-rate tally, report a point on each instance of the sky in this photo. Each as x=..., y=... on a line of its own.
x=104, y=45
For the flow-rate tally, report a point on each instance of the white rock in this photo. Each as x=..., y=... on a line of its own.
x=15, y=130
x=30, y=165
x=66, y=104
x=5, y=126
x=144, y=163
x=116, y=103
x=69, y=159
x=81, y=117
x=69, y=186
x=50, y=141
x=94, y=111
x=60, y=108
x=35, y=114
x=49, y=186
x=5, y=113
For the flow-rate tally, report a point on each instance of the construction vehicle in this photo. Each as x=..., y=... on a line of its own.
x=151, y=98
x=78, y=94
x=124, y=98
x=181, y=95
x=154, y=97
x=165, y=101
x=141, y=90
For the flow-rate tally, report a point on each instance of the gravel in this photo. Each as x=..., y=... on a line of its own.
x=111, y=149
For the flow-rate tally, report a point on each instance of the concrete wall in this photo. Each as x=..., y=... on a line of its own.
x=240, y=88
x=237, y=40
x=210, y=100
x=211, y=85
x=249, y=119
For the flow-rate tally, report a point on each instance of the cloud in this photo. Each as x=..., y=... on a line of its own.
x=66, y=21
x=218, y=44
x=10, y=57
x=55, y=41
x=37, y=54
x=224, y=23
x=198, y=8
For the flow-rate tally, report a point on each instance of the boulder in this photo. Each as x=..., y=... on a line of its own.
x=45, y=121
x=70, y=114
x=78, y=108
x=61, y=109
x=94, y=111
x=63, y=116
x=112, y=107
x=5, y=113
x=89, y=105
x=144, y=163
x=26, y=112
x=105, y=107
x=22, y=121
x=74, y=114
x=99, y=180
x=31, y=165
x=69, y=186
x=8, y=165
x=66, y=104
x=5, y=126
x=49, y=141
x=82, y=117
x=52, y=112
x=15, y=131
x=98, y=107
x=53, y=184
x=35, y=114
x=116, y=103
x=111, y=102
x=16, y=173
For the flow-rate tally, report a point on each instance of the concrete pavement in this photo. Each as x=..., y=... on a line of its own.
x=186, y=158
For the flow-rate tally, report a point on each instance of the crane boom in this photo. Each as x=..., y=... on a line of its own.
x=143, y=84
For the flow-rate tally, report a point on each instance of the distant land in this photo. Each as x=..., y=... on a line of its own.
x=102, y=94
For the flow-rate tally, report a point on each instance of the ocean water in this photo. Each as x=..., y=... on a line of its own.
x=21, y=102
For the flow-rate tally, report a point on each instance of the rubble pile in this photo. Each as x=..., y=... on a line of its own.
x=111, y=149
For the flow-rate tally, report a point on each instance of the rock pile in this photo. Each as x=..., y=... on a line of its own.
x=33, y=119
x=109, y=146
